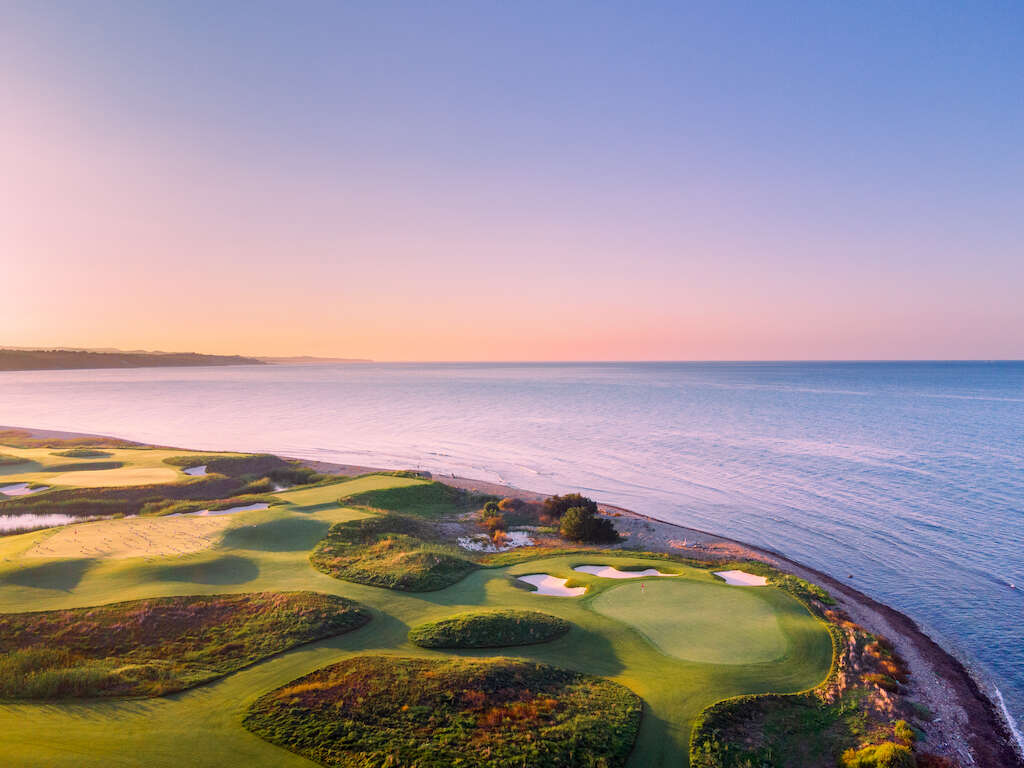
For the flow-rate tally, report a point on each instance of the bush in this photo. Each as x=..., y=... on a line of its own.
x=435, y=713
x=159, y=645
x=583, y=524
x=489, y=629
x=884, y=755
x=556, y=506
x=391, y=551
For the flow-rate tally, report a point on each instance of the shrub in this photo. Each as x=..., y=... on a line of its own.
x=156, y=646
x=508, y=504
x=556, y=506
x=433, y=713
x=390, y=551
x=489, y=629
x=884, y=755
x=583, y=524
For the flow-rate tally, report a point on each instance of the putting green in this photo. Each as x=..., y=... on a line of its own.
x=698, y=622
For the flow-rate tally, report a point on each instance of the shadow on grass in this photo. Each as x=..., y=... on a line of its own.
x=62, y=575
x=285, y=535
x=229, y=569
x=23, y=467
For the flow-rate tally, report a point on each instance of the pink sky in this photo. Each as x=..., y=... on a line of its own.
x=202, y=222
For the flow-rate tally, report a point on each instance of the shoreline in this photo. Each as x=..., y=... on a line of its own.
x=969, y=727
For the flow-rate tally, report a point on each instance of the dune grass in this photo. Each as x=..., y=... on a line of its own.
x=375, y=710
x=153, y=647
x=489, y=629
x=390, y=551
x=425, y=499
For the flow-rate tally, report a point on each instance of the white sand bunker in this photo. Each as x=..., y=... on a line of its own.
x=20, y=489
x=742, y=578
x=481, y=542
x=230, y=510
x=133, y=537
x=552, y=585
x=611, y=572
x=196, y=471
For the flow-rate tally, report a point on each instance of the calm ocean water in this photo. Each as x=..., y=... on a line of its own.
x=908, y=475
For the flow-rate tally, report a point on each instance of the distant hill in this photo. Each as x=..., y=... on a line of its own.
x=58, y=359
x=309, y=360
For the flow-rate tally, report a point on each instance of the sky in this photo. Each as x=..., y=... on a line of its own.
x=515, y=181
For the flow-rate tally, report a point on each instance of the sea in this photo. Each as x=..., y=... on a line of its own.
x=907, y=476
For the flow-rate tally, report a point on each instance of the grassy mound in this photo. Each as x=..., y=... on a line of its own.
x=153, y=647
x=6, y=460
x=83, y=453
x=379, y=710
x=429, y=500
x=489, y=629
x=389, y=551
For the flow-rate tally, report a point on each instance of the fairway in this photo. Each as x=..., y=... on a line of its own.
x=698, y=622
x=688, y=642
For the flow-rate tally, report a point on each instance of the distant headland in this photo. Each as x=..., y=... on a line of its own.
x=20, y=359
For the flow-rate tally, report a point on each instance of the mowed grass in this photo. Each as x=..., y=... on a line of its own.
x=424, y=499
x=434, y=713
x=695, y=622
x=71, y=468
x=157, y=646
x=269, y=551
x=331, y=493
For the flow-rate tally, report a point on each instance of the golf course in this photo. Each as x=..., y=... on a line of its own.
x=653, y=651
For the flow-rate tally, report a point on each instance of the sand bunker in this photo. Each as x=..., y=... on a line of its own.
x=133, y=537
x=31, y=522
x=611, y=572
x=481, y=542
x=552, y=585
x=229, y=510
x=196, y=471
x=742, y=578
x=20, y=489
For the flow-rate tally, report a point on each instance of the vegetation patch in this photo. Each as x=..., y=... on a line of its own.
x=6, y=460
x=378, y=710
x=83, y=453
x=251, y=466
x=19, y=438
x=391, y=551
x=157, y=646
x=489, y=629
x=430, y=500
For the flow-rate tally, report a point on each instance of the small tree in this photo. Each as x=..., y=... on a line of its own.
x=583, y=524
x=556, y=506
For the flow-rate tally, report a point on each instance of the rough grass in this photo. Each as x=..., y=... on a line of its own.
x=391, y=551
x=489, y=629
x=157, y=646
x=379, y=711
x=83, y=453
x=6, y=460
x=19, y=438
x=429, y=500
